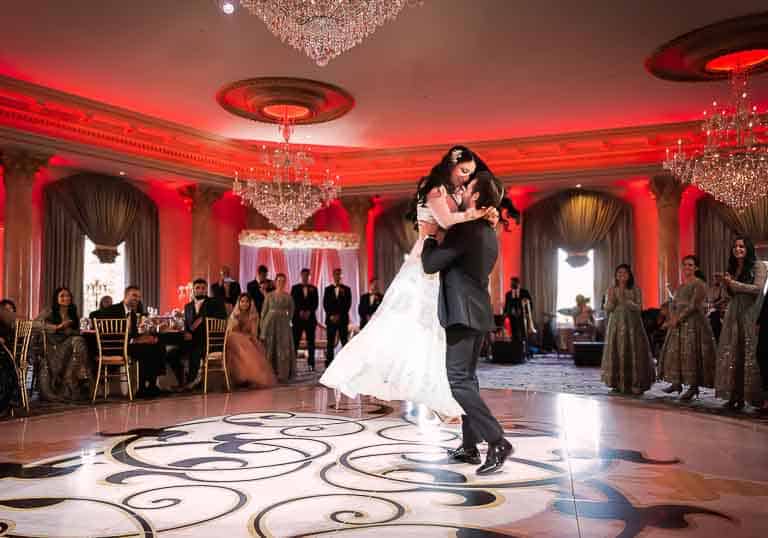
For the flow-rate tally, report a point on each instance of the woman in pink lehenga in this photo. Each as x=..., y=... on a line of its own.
x=245, y=355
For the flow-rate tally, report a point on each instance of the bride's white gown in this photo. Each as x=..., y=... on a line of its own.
x=400, y=354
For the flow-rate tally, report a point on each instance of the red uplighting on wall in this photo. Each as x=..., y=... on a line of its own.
x=743, y=59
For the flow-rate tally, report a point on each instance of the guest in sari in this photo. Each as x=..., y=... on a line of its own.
x=10, y=395
x=737, y=376
x=246, y=359
x=64, y=371
x=627, y=366
x=276, y=332
x=688, y=356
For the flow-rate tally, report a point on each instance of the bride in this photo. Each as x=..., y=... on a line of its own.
x=400, y=354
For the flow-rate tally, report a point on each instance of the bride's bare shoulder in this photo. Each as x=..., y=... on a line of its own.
x=437, y=192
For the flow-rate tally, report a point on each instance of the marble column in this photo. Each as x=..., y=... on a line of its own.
x=668, y=192
x=357, y=207
x=201, y=198
x=19, y=169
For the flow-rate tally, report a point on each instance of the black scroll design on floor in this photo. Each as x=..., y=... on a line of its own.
x=617, y=507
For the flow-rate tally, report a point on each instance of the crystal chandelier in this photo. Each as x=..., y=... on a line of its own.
x=733, y=165
x=323, y=29
x=283, y=189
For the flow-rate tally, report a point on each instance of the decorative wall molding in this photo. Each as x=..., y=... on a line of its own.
x=299, y=239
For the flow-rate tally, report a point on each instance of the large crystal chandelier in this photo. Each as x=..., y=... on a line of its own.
x=283, y=189
x=323, y=29
x=733, y=165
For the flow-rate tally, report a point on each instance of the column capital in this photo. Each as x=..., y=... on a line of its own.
x=20, y=163
x=667, y=190
x=201, y=196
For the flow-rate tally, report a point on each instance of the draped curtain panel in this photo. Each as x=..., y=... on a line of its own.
x=752, y=222
x=394, y=237
x=142, y=252
x=713, y=237
x=616, y=248
x=63, y=246
x=540, y=258
x=320, y=262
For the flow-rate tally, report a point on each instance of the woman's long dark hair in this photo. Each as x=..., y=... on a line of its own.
x=630, y=280
x=71, y=309
x=747, y=275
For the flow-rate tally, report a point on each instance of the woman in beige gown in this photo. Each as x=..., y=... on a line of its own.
x=626, y=365
x=276, y=332
x=688, y=356
x=737, y=377
x=246, y=359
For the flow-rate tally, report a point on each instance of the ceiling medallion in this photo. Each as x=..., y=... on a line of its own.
x=323, y=29
x=732, y=166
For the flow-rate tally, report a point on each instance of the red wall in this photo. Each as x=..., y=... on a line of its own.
x=646, y=242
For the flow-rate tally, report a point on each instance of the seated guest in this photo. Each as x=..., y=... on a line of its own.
x=254, y=287
x=10, y=395
x=369, y=302
x=583, y=315
x=226, y=289
x=337, y=300
x=513, y=308
x=144, y=348
x=195, y=313
x=276, y=330
x=104, y=303
x=305, y=302
x=246, y=359
x=64, y=369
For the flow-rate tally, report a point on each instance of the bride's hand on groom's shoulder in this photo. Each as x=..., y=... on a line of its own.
x=492, y=216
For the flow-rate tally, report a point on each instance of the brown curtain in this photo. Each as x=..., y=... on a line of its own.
x=142, y=253
x=582, y=220
x=616, y=248
x=713, y=236
x=752, y=222
x=540, y=257
x=103, y=206
x=63, y=245
x=394, y=238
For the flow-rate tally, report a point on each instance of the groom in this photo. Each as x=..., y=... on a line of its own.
x=465, y=259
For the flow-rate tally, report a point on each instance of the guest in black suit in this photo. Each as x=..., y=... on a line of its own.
x=305, y=301
x=762, y=351
x=337, y=300
x=195, y=313
x=144, y=348
x=513, y=308
x=226, y=289
x=254, y=286
x=369, y=302
x=464, y=260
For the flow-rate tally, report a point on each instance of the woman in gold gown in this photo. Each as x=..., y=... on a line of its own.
x=276, y=332
x=626, y=365
x=688, y=356
x=246, y=359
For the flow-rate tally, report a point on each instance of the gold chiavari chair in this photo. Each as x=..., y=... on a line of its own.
x=216, y=333
x=21, y=339
x=112, y=342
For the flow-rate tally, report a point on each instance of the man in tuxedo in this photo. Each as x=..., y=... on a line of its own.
x=464, y=261
x=254, y=287
x=337, y=300
x=226, y=289
x=305, y=301
x=144, y=348
x=513, y=308
x=196, y=312
x=369, y=302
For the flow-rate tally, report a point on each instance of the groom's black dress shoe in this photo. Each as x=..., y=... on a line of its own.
x=465, y=455
x=497, y=454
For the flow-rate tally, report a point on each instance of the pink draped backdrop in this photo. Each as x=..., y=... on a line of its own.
x=320, y=262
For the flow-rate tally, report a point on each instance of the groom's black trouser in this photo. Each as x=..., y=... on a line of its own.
x=478, y=424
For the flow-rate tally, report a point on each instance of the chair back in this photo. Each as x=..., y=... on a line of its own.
x=21, y=339
x=112, y=336
x=215, y=335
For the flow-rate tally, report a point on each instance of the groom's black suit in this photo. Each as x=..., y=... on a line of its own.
x=464, y=260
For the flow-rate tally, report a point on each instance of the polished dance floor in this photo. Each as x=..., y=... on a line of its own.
x=288, y=462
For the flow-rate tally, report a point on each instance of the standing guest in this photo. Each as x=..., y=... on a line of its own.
x=10, y=393
x=64, y=371
x=276, y=330
x=369, y=302
x=144, y=348
x=718, y=299
x=226, y=289
x=737, y=376
x=762, y=351
x=305, y=302
x=246, y=359
x=200, y=308
x=513, y=308
x=626, y=366
x=688, y=356
x=254, y=287
x=337, y=300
